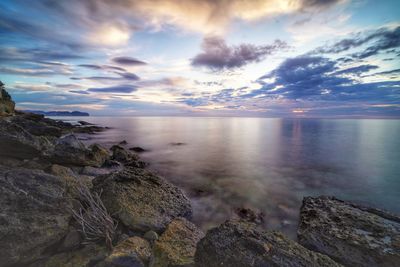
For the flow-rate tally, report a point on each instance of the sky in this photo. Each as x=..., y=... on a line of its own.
x=261, y=58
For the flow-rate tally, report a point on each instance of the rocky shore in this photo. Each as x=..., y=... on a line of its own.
x=67, y=204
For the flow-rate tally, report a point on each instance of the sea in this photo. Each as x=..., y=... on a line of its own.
x=265, y=164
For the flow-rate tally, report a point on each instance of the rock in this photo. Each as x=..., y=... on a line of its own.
x=71, y=241
x=132, y=250
x=70, y=151
x=250, y=215
x=151, y=236
x=71, y=180
x=7, y=106
x=124, y=142
x=177, y=245
x=94, y=171
x=86, y=256
x=84, y=123
x=15, y=142
x=349, y=233
x=121, y=155
x=36, y=127
x=239, y=243
x=141, y=200
x=34, y=214
x=138, y=149
x=177, y=144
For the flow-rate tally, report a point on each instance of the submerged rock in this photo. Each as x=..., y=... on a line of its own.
x=239, y=243
x=70, y=151
x=141, y=200
x=349, y=233
x=34, y=214
x=138, y=149
x=177, y=245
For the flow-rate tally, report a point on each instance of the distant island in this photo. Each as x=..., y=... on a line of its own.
x=58, y=113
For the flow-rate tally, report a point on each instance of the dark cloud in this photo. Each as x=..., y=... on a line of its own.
x=128, y=61
x=380, y=40
x=318, y=4
x=114, y=89
x=37, y=55
x=357, y=70
x=81, y=92
x=217, y=55
x=396, y=71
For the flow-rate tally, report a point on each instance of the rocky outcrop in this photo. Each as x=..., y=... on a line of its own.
x=70, y=151
x=34, y=214
x=238, y=244
x=349, y=233
x=141, y=200
x=134, y=251
x=7, y=106
x=16, y=142
x=177, y=245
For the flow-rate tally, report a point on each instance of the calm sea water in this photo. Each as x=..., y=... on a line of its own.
x=268, y=165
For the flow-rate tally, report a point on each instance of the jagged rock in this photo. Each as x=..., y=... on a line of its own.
x=134, y=250
x=37, y=127
x=84, y=257
x=7, y=106
x=239, y=243
x=34, y=214
x=349, y=233
x=141, y=200
x=70, y=151
x=177, y=245
x=122, y=155
x=15, y=142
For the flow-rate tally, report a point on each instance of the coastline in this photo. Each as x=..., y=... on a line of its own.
x=44, y=165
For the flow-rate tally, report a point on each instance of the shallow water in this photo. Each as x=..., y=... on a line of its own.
x=266, y=164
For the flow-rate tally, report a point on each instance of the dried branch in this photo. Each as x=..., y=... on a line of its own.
x=96, y=223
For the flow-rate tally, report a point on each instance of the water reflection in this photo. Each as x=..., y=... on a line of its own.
x=267, y=164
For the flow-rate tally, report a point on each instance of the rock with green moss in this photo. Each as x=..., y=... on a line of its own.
x=177, y=245
x=7, y=106
x=141, y=200
x=351, y=234
x=239, y=243
x=134, y=251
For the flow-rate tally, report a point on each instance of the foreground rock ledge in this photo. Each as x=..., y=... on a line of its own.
x=348, y=233
x=34, y=214
x=238, y=244
x=141, y=200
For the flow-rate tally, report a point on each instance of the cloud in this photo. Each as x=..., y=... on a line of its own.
x=379, y=40
x=126, y=89
x=206, y=16
x=357, y=70
x=217, y=55
x=128, y=61
x=35, y=71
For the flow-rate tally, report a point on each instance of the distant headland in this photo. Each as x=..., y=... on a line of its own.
x=58, y=113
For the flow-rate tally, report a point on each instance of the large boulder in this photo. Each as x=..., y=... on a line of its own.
x=141, y=200
x=16, y=142
x=349, y=233
x=239, y=243
x=7, y=106
x=177, y=245
x=34, y=214
x=35, y=126
x=70, y=151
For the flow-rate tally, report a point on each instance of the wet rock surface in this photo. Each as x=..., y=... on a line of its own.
x=177, y=245
x=34, y=214
x=141, y=200
x=239, y=243
x=349, y=233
